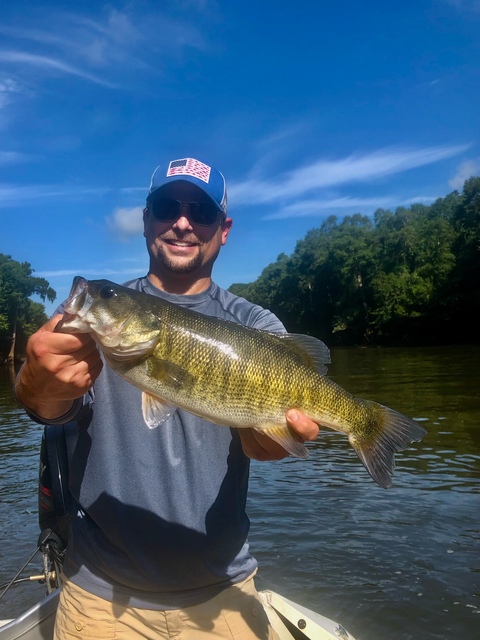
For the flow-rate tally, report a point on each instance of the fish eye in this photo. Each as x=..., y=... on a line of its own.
x=107, y=292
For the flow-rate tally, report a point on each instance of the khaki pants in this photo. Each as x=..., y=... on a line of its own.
x=236, y=613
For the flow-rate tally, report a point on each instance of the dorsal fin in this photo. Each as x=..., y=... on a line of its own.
x=311, y=351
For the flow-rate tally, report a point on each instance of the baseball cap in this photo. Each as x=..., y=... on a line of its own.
x=202, y=175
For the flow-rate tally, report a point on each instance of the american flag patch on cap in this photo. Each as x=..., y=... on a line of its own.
x=189, y=167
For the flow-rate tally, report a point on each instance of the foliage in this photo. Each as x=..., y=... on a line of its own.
x=412, y=275
x=18, y=314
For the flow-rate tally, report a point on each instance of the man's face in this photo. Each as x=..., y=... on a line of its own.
x=180, y=246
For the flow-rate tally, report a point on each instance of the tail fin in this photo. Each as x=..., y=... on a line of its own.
x=387, y=433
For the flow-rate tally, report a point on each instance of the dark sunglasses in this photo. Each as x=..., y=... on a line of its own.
x=204, y=214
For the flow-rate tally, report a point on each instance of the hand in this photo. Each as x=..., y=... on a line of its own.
x=59, y=368
x=258, y=446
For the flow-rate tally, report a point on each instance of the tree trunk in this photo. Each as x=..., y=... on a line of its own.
x=11, y=355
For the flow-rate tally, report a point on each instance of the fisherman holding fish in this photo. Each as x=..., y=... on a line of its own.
x=158, y=542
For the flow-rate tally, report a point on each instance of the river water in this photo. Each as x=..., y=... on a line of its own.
x=395, y=564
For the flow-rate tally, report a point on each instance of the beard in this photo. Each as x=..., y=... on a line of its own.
x=176, y=265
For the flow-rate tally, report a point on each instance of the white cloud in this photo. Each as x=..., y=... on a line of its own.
x=466, y=170
x=127, y=221
x=327, y=173
x=8, y=88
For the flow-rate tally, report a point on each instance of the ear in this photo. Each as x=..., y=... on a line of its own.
x=226, y=226
x=145, y=218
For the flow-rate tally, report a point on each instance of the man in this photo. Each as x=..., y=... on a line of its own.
x=158, y=547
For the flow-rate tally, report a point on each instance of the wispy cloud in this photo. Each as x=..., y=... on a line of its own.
x=321, y=173
x=8, y=89
x=51, y=64
x=14, y=195
x=466, y=170
x=465, y=5
x=97, y=273
x=13, y=157
x=17, y=196
x=102, y=50
x=307, y=208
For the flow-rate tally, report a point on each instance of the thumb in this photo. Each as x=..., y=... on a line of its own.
x=52, y=323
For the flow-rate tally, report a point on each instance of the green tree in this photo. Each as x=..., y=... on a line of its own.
x=415, y=260
x=351, y=265
x=412, y=275
x=19, y=316
x=464, y=293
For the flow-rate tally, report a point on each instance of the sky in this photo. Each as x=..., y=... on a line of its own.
x=309, y=109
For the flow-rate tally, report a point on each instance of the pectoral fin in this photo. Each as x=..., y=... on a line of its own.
x=169, y=374
x=155, y=411
x=284, y=437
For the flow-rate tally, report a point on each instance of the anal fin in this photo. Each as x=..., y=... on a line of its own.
x=286, y=439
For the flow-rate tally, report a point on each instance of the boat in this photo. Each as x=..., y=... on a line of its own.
x=290, y=620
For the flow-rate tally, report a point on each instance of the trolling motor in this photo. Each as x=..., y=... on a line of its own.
x=53, y=552
x=55, y=505
x=54, y=499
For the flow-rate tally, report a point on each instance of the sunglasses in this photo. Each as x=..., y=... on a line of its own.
x=204, y=214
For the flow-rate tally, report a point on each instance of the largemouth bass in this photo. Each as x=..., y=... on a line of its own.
x=230, y=374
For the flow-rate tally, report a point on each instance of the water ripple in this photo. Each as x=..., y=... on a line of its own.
x=401, y=564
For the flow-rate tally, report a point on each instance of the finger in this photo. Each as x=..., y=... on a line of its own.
x=260, y=447
x=61, y=343
x=85, y=351
x=84, y=376
x=94, y=364
x=303, y=426
x=72, y=379
x=52, y=323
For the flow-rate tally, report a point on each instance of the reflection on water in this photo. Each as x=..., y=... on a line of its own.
x=401, y=564
x=19, y=449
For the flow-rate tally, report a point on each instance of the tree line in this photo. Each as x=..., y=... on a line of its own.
x=406, y=277
x=19, y=315
x=411, y=276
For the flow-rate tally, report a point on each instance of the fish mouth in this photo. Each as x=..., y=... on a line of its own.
x=77, y=316
x=76, y=307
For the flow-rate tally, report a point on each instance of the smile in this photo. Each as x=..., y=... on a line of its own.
x=180, y=243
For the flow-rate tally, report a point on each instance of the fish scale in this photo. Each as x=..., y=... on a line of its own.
x=230, y=374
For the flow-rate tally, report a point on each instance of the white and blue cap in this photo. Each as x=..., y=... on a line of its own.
x=206, y=178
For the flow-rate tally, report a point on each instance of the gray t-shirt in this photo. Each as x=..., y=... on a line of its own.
x=161, y=522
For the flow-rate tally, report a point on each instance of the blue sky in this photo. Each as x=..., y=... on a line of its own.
x=309, y=109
